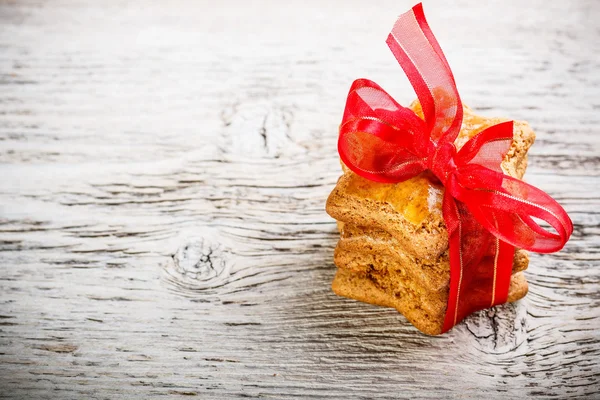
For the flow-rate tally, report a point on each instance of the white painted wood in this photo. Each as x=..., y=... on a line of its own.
x=163, y=173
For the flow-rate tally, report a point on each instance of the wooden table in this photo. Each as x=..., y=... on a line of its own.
x=163, y=173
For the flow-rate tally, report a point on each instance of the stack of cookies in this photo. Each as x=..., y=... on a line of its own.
x=393, y=249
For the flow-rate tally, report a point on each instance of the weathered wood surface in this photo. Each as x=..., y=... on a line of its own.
x=163, y=173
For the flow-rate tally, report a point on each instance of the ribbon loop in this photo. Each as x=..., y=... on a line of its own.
x=488, y=148
x=420, y=56
x=379, y=139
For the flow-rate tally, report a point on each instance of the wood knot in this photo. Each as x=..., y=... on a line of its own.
x=500, y=329
x=198, y=264
x=259, y=129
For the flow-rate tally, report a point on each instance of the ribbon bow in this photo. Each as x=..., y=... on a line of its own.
x=487, y=214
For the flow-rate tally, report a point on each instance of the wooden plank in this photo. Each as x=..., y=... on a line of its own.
x=164, y=169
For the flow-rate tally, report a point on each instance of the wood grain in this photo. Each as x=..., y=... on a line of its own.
x=164, y=168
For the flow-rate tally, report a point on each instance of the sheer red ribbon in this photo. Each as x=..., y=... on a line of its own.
x=487, y=214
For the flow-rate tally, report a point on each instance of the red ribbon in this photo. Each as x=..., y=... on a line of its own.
x=487, y=214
